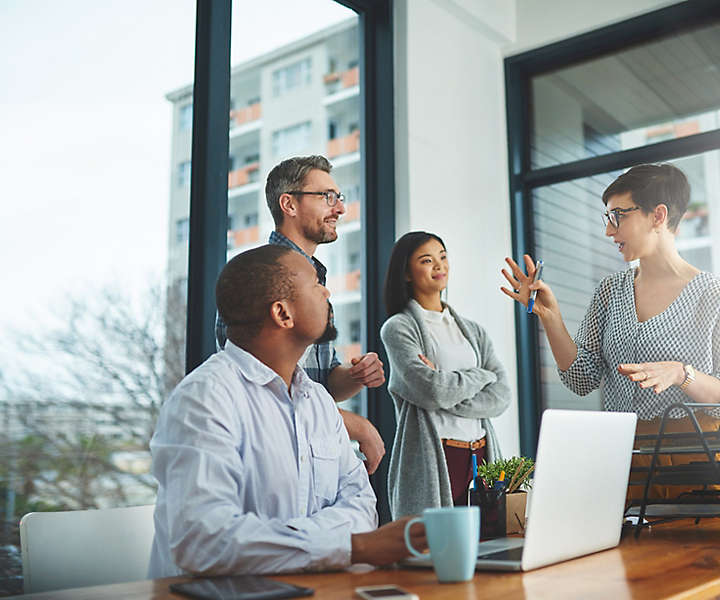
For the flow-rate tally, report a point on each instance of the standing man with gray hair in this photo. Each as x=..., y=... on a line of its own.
x=305, y=204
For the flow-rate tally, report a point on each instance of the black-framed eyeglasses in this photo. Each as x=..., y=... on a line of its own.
x=331, y=197
x=613, y=216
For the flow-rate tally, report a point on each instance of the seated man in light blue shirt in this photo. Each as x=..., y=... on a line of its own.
x=255, y=469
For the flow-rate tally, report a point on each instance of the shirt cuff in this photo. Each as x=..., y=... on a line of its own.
x=331, y=551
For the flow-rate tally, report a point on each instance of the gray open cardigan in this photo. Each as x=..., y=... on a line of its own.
x=418, y=476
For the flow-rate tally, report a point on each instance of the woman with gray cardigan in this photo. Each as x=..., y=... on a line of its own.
x=445, y=381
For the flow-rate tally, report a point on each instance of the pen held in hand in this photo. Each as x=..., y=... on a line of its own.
x=536, y=277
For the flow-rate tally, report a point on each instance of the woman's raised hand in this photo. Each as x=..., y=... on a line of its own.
x=521, y=285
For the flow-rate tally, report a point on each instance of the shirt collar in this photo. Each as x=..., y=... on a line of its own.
x=279, y=239
x=257, y=371
x=432, y=316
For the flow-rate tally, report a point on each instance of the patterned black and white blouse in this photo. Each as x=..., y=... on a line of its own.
x=610, y=334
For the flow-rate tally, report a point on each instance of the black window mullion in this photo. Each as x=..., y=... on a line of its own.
x=658, y=152
x=522, y=226
x=208, y=187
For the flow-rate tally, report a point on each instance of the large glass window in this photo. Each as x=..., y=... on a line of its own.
x=301, y=85
x=665, y=89
x=589, y=121
x=92, y=334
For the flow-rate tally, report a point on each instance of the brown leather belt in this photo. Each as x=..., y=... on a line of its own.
x=466, y=445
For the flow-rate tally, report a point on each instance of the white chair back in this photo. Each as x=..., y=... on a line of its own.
x=78, y=548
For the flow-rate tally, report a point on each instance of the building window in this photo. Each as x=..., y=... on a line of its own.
x=291, y=140
x=185, y=117
x=182, y=230
x=355, y=331
x=183, y=173
x=293, y=76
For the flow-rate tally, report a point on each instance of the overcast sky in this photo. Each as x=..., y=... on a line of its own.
x=85, y=135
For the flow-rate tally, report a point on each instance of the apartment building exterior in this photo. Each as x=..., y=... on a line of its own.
x=299, y=99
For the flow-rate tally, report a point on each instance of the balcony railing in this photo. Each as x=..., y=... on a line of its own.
x=352, y=212
x=349, y=351
x=247, y=114
x=242, y=237
x=244, y=175
x=337, y=81
x=344, y=145
x=346, y=282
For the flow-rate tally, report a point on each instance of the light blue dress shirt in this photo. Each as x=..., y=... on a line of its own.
x=253, y=479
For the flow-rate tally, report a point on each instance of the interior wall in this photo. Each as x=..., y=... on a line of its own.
x=451, y=159
x=547, y=21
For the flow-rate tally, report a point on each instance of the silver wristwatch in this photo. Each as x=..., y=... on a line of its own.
x=689, y=376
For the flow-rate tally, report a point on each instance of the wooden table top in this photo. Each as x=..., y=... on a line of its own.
x=671, y=560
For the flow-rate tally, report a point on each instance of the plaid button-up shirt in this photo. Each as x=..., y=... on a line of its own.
x=320, y=359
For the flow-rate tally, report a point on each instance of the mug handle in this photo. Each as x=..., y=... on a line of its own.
x=409, y=524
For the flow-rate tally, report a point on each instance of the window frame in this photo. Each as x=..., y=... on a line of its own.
x=519, y=71
x=208, y=187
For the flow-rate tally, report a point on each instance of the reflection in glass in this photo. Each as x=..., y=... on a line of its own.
x=648, y=93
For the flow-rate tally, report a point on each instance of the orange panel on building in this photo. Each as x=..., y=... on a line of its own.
x=352, y=280
x=351, y=77
x=241, y=176
x=352, y=212
x=349, y=351
x=344, y=145
x=246, y=114
x=242, y=237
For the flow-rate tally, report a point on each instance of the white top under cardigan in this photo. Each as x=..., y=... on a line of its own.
x=452, y=351
x=418, y=477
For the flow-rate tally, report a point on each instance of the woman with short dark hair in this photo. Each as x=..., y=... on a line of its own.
x=651, y=335
x=445, y=381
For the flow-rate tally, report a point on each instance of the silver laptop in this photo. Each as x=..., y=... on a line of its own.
x=578, y=496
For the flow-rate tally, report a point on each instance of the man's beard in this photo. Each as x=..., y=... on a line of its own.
x=320, y=236
x=330, y=332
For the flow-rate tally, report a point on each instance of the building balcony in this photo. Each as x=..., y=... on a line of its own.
x=344, y=145
x=336, y=81
x=247, y=114
x=243, y=176
x=352, y=212
x=242, y=237
x=346, y=282
x=342, y=87
x=349, y=351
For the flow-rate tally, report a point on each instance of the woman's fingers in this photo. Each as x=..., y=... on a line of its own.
x=516, y=270
x=529, y=265
x=514, y=283
x=658, y=375
x=514, y=295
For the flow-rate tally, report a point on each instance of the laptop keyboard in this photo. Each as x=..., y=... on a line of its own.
x=514, y=554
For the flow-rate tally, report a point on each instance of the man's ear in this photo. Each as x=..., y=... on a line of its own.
x=660, y=215
x=288, y=204
x=281, y=314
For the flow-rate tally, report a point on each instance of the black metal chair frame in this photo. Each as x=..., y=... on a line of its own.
x=705, y=474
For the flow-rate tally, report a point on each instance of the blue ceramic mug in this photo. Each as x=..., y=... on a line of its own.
x=452, y=534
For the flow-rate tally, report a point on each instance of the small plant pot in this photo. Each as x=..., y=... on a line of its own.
x=515, y=507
